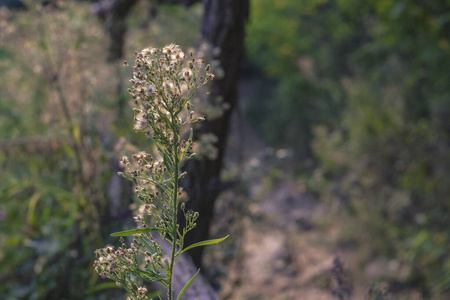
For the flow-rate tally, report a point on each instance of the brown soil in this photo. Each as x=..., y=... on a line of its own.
x=289, y=251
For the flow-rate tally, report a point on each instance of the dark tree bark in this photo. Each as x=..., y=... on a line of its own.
x=114, y=13
x=183, y=2
x=12, y=4
x=222, y=30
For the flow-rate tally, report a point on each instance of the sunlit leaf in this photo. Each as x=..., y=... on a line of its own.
x=188, y=284
x=135, y=231
x=102, y=286
x=204, y=243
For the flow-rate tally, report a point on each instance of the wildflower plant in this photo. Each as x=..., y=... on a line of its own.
x=163, y=84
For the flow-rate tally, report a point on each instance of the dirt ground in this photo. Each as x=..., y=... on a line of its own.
x=290, y=247
x=289, y=252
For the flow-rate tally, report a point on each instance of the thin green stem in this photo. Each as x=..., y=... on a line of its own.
x=175, y=206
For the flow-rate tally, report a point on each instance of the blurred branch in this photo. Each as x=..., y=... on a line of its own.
x=54, y=71
x=12, y=4
x=114, y=14
x=186, y=3
x=104, y=7
x=37, y=144
x=101, y=8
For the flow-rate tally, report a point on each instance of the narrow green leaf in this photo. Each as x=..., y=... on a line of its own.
x=134, y=231
x=168, y=152
x=163, y=116
x=188, y=284
x=149, y=274
x=158, y=185
x=167, y=162
x=204, y=243
x=191, y=134
x=155, y=294
x=188, y=144
x=102, y=286
x=31, y=216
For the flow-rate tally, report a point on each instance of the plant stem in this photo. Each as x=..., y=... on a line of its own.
x=175, y=207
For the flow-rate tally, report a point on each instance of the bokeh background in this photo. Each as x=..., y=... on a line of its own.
x=333, y=150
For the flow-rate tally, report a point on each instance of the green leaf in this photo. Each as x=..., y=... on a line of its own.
x=188, y=144
x=155, y=294
x=102, y=286
x=191, y=134
x=204, y=243
x=31, y=215
x=150, y=276
x=188, y=284
x=167, y=161
x=163, y=116
x=134, y=231
x=158, y=185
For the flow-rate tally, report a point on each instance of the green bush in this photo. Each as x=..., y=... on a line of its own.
x=365, y=85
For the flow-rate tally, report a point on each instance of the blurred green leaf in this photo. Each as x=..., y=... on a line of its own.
x=135, y=231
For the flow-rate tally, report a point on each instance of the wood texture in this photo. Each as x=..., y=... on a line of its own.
x=222, y=34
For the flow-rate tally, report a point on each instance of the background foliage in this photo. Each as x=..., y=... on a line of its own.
x=365, y=85
x=358, y=91
x=60, y=124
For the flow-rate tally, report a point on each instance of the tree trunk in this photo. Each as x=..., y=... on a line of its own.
x=222, y=31
x=114, y=14
x=12, y=4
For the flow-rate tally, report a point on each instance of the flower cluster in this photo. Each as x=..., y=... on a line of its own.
x=152, y=187
x=164, y=82
x=122, y=265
